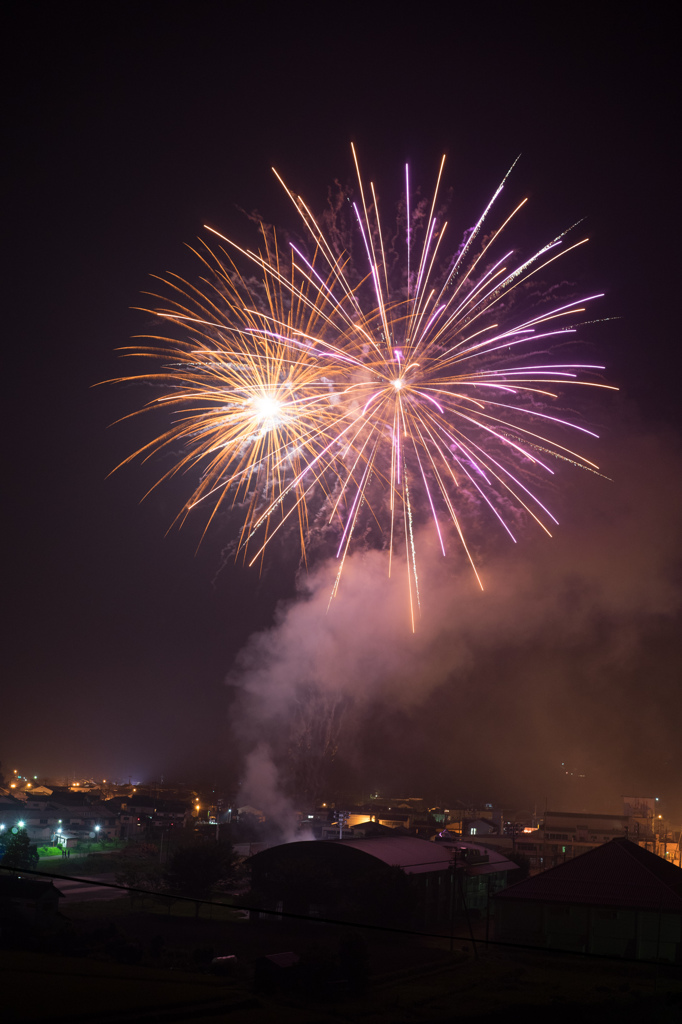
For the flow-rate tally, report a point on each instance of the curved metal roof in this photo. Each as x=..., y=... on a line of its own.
x=414, y=856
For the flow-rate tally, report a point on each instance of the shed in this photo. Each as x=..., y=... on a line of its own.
x=615, y=900
x=27, y=902
x=397, y=881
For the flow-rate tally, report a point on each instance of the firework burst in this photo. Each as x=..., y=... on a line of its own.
x=383, y=387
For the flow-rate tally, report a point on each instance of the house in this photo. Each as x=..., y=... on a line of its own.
x=11, y=811
x=68, y=839
x=136, y=815
x=371, y=830
x=44, y=818
x=616, y=900
x=253, y=812
x=478, y=827
x=563, y=835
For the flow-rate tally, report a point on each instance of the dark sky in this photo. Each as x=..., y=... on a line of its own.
x=131, y=130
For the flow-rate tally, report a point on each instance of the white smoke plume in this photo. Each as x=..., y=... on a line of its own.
x=261, y=790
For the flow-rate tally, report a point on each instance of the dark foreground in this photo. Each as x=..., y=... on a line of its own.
x=130, y=961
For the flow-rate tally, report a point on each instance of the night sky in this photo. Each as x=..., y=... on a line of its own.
x=128, y=653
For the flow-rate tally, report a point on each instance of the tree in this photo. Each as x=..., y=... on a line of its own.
x=19, y=851
x=194, y=870
x=140, y=867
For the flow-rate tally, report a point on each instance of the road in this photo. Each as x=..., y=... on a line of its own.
x=76, y=890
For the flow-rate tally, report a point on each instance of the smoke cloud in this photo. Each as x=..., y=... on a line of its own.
x=556, y=683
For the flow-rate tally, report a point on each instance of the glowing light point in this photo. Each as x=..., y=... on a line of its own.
x=397, y=384
x=266, y=407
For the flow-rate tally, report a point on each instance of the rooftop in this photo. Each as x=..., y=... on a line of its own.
x=617, y=874
x=414, y=856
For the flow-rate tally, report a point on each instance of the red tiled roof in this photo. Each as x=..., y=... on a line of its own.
x=617, y=874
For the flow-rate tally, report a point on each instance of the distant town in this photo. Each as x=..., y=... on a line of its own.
x=72, y=813
x=342, y=903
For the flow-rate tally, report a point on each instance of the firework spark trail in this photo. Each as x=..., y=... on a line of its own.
x=330, y=382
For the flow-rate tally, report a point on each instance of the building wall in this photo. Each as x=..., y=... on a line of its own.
x=604, y=931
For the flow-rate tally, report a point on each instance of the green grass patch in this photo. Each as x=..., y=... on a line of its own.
x=83, y=863
x=113, y=844
x=49, y=851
